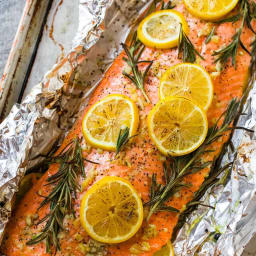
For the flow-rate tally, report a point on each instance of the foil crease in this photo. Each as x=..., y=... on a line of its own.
x=49, y=111
x=227, y=229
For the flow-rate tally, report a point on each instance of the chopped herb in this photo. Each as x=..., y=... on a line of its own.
x=64, y=187
x=186, y=48
x=209, y=37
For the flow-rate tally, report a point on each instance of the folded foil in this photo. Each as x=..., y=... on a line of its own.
x=227, y=229
x=42, y=120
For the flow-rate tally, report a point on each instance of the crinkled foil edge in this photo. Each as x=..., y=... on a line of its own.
x=229, y=226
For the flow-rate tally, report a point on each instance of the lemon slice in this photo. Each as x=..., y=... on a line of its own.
x=210, y=9
x=103, y=121
x=111, y=210
x=190, y=81
x=166, y=250
x=177, y=126
x=161, y=29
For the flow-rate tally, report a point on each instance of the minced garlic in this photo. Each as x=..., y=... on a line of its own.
x=82, y=248
x=155, y=68
x=94, y=248
x=89, y=179
x=141, y=103
x=145, y=246
x=78, y=237
x=29, y=221
x=85, y=146
x=149, y=232
x=135, y=249
x=127, y=69
x=100, y=151
x=77, y=223
x=219, y=66
x=215, y=39
x=61, y=235
x=205, y=30
x=139, y=248
x=177, y=194
x=214, y=75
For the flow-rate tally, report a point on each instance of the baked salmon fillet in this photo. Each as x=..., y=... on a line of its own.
x=140, y=159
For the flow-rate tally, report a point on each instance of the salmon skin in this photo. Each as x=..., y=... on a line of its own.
x=141, y=158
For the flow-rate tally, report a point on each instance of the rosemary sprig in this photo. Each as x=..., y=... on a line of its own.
x=182, y=166
x=123, y=138
x=135, y=50
x=186, y=48
x=230, y=51
x=133, y=53
x=247, y=10
x=64, y=187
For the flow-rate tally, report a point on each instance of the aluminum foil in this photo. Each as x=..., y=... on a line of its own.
x=32, y=128
x=227, y=229
x=49, y=111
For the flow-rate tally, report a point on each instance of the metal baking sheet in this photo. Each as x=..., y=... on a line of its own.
x=43, y=38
